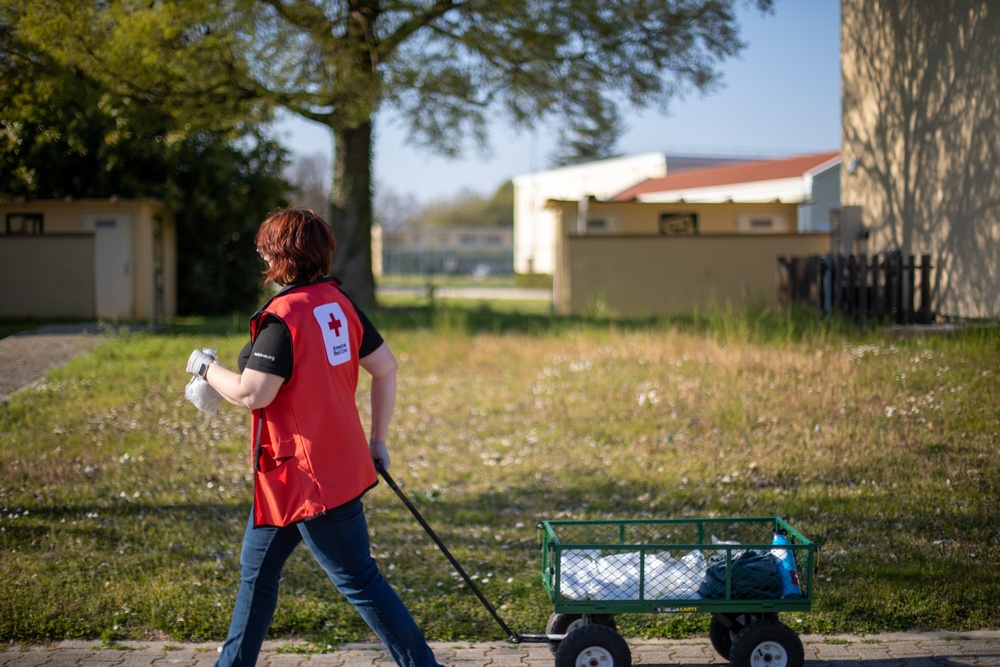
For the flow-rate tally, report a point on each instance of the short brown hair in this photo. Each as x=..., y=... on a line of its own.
x=298, y=244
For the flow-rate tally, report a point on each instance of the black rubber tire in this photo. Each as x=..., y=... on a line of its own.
x=767, y=644
x=722, y=636
x=563, y=624
x=593, y=645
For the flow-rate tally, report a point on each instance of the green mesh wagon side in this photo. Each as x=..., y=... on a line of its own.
x=673, y=565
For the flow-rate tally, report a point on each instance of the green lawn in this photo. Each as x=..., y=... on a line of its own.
x=122, y=507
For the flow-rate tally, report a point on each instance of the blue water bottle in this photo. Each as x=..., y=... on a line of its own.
x=786, y=566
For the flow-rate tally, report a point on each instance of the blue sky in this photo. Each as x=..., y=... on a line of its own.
x=781, y=95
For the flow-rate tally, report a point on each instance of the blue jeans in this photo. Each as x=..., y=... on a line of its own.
x=338, y=540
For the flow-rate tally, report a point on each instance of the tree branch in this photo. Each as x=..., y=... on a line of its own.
x=389, y=45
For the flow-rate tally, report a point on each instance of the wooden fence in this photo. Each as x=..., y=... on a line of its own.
x=883, y=288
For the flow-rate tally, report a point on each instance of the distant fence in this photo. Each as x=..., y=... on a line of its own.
x=887, y=287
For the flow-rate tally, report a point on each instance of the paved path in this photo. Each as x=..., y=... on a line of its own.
x=26, y=356
x=933, y=649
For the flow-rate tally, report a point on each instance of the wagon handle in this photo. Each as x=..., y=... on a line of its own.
x=475, y=589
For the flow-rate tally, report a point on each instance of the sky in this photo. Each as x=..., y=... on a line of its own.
x=779, y=96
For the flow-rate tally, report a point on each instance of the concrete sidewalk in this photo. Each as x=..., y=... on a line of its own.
x=929, y=649
x=26, y=356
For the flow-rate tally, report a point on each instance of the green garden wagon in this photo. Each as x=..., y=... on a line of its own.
x=596, y=570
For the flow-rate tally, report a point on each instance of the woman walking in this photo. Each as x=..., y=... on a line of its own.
x=311, y=459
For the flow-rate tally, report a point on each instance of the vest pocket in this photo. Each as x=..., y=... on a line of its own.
x=276, y=454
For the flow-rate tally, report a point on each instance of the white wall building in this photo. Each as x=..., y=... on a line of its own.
x=535, y=225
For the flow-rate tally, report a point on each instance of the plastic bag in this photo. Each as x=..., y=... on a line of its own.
x=669, y=578
x=586, y=575
x=204, y=397
x=576, y=573
x=617, y=577
x=201, y=394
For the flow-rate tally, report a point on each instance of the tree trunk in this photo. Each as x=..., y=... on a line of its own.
x=351, y=211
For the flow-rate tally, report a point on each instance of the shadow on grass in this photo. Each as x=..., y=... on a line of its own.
x=181, y=526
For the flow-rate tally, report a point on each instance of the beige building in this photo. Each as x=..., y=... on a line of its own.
x=695, y=240
x=90, y=258
x=921, y=139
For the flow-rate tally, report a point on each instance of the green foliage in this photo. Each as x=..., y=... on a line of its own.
x=222, y=191
x=179, y=58
x=122, y=518
x=64, y=135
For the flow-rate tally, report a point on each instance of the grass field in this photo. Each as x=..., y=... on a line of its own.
x=122, y=507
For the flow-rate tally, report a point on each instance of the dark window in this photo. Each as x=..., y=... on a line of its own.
x=25, y=223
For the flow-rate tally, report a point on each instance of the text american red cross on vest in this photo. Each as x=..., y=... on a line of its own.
x=335, y=324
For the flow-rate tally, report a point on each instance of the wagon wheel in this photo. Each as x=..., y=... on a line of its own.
x=722, y=634
x=563, y=624
x=767, y=644
x=593, y=645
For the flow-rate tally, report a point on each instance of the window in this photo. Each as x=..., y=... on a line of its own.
x=25, y=223
x=762, y=223
x=678, y=224
x=603, y=223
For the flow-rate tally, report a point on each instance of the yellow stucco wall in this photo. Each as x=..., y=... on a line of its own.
x=153, y=280
x=921, y=139
x=640, y=273
x=635, y=275
x=643, y=218
x=50, y=276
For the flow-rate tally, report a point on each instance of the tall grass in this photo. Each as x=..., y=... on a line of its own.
x=122, y=507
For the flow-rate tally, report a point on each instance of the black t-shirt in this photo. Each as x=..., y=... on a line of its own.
x=271, y=352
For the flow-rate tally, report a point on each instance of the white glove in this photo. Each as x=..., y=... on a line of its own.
x=199, y=361
x=380, y=454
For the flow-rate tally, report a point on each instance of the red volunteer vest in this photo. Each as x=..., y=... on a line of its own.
x=310, y=453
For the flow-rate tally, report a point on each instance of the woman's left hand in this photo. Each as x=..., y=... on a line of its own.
x=380, y=454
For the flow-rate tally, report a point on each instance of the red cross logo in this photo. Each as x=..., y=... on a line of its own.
x=334, y=324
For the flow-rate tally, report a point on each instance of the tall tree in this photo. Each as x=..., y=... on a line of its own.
x=448, y=65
